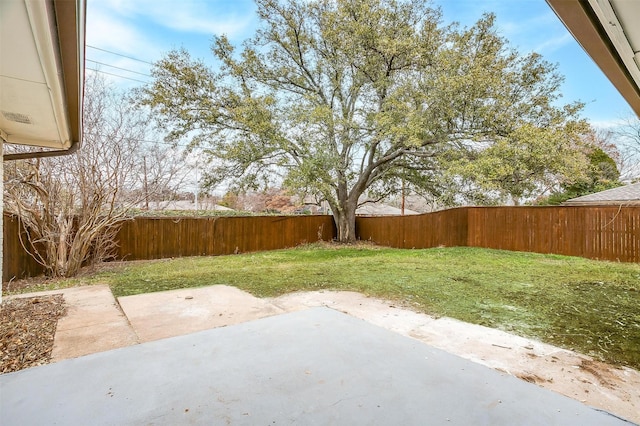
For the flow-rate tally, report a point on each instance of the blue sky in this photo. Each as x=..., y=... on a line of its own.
x=144, y=30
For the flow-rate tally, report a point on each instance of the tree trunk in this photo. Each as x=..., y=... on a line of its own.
x=345, y=219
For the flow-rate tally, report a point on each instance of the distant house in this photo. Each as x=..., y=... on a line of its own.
x=182, y=205
x=380, y=209
x=628, y=195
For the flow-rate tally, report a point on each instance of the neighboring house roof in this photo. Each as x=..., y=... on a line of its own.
x=624, y=195
x=379, y=209
x=185, y=205
x=608, y=31
x=41, y=74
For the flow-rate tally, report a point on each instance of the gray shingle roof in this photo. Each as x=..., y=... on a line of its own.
x=628, y=194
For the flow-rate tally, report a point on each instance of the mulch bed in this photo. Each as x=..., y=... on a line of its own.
x=27, y=328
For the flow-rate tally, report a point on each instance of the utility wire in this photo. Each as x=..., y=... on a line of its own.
x=120, y=54
x=123, y=69
x=143, y=140
x=116, y=75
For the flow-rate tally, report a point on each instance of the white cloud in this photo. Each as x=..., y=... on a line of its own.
x=147, y=29
x=542, y=33
x=533, y=25
x=231, y=17
x=607, y=124
x=554, y=44
x=108, y=30
x=109, y=33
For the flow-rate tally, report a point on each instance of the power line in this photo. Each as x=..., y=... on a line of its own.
x=116, y=75
x=120, y=54
x=123, y=69
x=162, y=142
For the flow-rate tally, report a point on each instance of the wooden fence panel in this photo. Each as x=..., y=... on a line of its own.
x=509, y=228
x=445, y=228
x=616, y=232
x=607, y=233
x=16, y=262
x=604, y=232
x=155, y=238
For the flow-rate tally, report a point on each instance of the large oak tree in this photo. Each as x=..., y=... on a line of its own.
x=344, y=97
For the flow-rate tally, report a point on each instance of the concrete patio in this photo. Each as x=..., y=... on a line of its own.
x=270, y=361
x=316, y=366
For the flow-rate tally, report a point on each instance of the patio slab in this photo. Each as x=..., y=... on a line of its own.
x=316, y=366
x=172, y=313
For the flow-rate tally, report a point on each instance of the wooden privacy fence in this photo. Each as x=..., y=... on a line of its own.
x=606, y=233
x=443, y=228
x=156, y=238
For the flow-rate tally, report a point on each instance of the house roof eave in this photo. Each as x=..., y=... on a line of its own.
x=54, y=34
x=603, y=29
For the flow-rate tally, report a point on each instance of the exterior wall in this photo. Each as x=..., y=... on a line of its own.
x=2, y=216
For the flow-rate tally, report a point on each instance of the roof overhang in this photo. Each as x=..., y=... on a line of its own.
x=42, y=46
x=609, y=31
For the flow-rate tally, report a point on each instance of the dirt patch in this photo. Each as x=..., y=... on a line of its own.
x=27, y=329
x=532, y=378
x=600, y=371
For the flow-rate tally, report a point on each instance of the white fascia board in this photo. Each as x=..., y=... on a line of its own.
x=615, y=30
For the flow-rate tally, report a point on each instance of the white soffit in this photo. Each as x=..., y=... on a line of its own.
x=33, y=108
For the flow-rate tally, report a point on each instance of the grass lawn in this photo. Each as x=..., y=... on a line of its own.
x=590, y=306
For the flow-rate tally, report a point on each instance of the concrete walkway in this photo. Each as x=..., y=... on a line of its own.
x=94, y=323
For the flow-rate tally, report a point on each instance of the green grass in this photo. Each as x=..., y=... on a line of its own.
x=590, y=306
